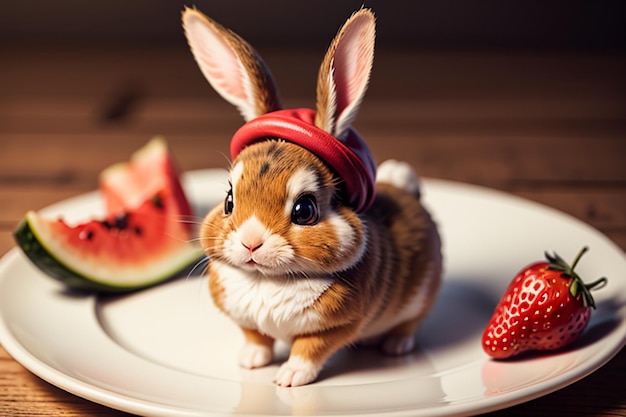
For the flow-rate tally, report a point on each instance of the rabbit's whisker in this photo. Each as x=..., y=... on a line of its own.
x=204, y=261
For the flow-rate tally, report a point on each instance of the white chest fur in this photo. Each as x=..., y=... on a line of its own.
x=276, y=306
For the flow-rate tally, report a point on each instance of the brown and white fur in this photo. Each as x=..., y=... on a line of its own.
x=342, y=277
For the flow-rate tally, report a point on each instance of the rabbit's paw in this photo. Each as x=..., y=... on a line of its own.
x=254, y=356
x=399, y=174
x=398, y=345
x=296, y=371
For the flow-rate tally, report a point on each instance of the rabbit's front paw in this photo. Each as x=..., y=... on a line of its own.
x=254, y=356
x=296, y=371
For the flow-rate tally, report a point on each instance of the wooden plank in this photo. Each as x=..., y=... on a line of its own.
x=52, y=115
x=603, y=209
x=398, y=73
x=507, y=163
x=24, y=394
x=6, y=240
x=89, y=115
x=63, y=159
x=513, y=163
x=16, y=200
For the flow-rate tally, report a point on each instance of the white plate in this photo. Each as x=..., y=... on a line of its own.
x=167, y=351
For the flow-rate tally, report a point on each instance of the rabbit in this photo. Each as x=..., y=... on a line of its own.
x=297, y=252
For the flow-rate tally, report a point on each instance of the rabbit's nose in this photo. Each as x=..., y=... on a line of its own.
x=252, y=246
x=252, y=234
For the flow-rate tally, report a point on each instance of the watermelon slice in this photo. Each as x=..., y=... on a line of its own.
x=140, y=242
x=151, y=170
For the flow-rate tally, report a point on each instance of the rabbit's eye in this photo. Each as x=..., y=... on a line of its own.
x=305, y=211
x=228, y=202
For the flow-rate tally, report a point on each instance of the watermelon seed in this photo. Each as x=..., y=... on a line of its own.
x=157, y=201
x=121, y=222
x=137, y=230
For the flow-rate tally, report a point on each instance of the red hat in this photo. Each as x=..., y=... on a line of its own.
x=350, y=159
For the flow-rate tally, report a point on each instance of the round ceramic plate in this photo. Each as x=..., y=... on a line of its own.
x=167, y=350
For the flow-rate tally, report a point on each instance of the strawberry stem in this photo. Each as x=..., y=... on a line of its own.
x=578, y=256
x=577, y=285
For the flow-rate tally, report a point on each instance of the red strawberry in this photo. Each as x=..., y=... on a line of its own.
x=546, y=307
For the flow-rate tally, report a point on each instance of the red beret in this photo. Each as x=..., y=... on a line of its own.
x=350, y=158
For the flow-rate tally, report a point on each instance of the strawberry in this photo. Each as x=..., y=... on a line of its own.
x=546, y=307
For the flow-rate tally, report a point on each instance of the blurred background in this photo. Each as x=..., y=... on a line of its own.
x=527, y=97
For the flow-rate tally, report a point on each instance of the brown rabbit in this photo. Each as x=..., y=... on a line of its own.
x=296, y=252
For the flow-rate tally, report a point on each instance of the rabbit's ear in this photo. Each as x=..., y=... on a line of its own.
x=345, y=72
x=231, y=65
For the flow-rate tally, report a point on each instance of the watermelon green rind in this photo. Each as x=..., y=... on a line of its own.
x=30, y=236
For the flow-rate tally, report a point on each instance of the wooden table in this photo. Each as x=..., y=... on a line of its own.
x=547, y=127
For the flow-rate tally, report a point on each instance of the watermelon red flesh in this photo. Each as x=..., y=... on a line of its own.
x=151, y=170
x=134, y=250
x=122, y=238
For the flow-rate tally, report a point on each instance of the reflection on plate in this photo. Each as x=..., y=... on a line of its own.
x=168, y=351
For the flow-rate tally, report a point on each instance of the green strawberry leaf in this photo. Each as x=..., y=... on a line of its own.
x=556, y=263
